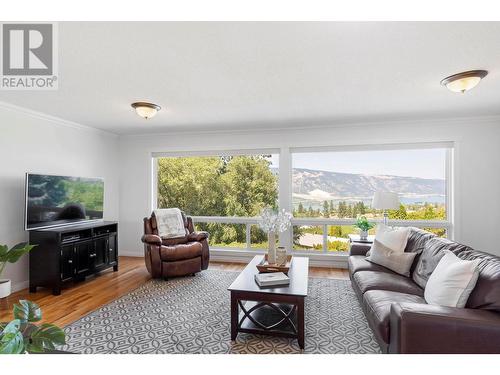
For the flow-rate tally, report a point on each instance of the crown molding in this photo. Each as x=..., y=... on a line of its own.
x=54, y=119
x=263, y=127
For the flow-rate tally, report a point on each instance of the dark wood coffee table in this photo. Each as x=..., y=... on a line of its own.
x=274, y=311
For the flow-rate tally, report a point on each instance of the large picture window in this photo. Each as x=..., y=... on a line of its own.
x=341, y=184
x=326, y=190
x=220, y=187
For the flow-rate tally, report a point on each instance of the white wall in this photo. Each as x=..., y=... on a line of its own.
x=37, y=143
x=477, y=162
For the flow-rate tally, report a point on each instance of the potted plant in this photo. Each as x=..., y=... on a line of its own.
x=10, y=256
x=273, y=221
x=22, y=336
x=364, y=226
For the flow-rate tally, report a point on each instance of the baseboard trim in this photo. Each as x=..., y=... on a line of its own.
x=230, y=258
x=130, y=254
x=237, y=256
x=315, y=260
x=16, y=287
x=328, y=263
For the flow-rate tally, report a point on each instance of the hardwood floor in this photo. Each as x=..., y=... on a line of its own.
x=82, y=298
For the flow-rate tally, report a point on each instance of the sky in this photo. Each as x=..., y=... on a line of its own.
x=423, y=163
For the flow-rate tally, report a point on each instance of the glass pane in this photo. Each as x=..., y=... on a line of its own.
x=259, y=239
x=218, y=185
x=308, y=238
x=338, y=237
x=342, y=184
x=224, y=235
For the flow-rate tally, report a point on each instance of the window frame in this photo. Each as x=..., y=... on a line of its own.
x=285, y=190
x=248, y=221
x=448, y=224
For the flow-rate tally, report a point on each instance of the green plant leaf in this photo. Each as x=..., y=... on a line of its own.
x=46, y=337
x=28, y=328
x=27, y=311
x=11, y=339
x=18, y=251
x=3, y=250
x=363, y=223
x=12, y=327
x=12, y=343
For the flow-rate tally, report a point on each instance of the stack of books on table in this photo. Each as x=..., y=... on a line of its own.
x=272, y=279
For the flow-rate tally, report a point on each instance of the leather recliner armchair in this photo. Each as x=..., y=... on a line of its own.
x=175, y=256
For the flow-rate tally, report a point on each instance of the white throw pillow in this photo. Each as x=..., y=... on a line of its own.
x=452, y=281
x=393, y=238
x=399, y=262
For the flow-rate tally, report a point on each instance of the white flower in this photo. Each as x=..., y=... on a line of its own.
x=275, y=221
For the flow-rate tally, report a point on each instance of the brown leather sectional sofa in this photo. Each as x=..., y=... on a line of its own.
x=176, y=256
x=399, y=316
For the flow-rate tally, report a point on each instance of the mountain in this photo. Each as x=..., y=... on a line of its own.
x=315, y=185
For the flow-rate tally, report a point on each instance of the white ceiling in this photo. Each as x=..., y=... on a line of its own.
x=241, y=75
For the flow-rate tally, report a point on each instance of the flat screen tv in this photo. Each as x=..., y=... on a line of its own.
x=62, y=200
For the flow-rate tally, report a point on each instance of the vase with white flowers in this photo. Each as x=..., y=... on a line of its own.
x=273, y=222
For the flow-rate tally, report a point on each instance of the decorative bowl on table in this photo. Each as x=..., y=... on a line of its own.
x=264, y=266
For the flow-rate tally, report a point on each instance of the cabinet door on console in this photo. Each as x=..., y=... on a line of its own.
x=84, y=257
x=112, y=251
x=100, y=259
x=67, y=262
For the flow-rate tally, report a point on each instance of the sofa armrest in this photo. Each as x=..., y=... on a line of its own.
x=151, y=239
x=420, y=328
x=197, y=236
x=359, y=248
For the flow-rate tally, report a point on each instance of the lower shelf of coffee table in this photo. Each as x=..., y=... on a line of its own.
x=274, y=319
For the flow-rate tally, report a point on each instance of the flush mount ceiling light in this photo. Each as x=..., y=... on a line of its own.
x=145, y=109
x=462, y=82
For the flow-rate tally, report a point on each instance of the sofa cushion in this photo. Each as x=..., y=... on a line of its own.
x=417, y=238
x=452, y=281
x=399, y=262
x=179, y=252
x=377, y=306
x=375, y=280
x=392, y=238
x=359, y=263
x=486, y=293
x=431, y=255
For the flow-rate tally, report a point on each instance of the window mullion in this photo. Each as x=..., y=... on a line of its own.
x=248, y=236
x=325, y=238
x=285, y=193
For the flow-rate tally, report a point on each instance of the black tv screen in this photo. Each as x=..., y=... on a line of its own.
x=62, y=200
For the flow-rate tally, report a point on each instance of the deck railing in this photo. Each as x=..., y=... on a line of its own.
x=324, y=223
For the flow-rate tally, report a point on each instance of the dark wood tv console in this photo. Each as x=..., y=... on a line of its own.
x=70, y=253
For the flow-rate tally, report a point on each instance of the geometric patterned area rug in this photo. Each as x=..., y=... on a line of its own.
x=192, y=315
